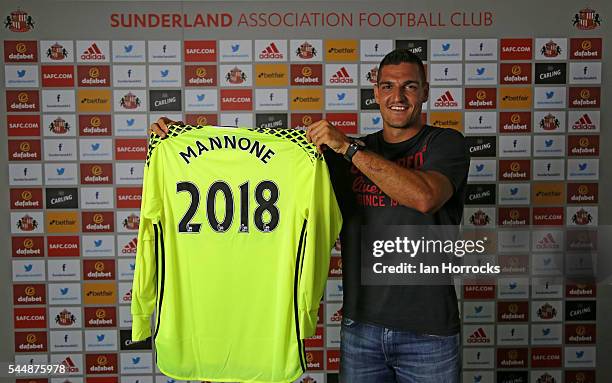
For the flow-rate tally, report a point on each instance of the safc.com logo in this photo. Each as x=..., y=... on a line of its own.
x=516, y=49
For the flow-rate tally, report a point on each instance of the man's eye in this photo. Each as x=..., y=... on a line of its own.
x=386, y=86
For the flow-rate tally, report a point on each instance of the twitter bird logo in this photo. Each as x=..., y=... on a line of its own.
x=64, y=290
x=97, y=242
x=235, y=47
x=478, y=309
x=579, y=354
x=60, y=171
x=375, y=120
x=95, y=147
x=128, y=48
x=28, y=267
x=480, y=71
x=136, y=360
x=445, y=47
x=548, y=143
x=130, y=122
x=545, y=331
x=164, y=73
x=201, y=97
x=341, y=96
x=100, y=337
x=21, y=73
x=547, y=261
x=477, y=378
x=512, y=285
x=582, y=166
x=132, y=266
x=479, y=167
x=513, y=191
x=550, y=94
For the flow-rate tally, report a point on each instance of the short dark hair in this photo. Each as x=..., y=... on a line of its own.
x=399, y=56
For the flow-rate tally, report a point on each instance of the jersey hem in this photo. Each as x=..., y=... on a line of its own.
x=210, y=379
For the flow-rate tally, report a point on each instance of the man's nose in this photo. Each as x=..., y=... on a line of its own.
x=398, y=94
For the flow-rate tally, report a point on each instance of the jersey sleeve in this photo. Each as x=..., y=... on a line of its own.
x=322, y=228
x=144, y=287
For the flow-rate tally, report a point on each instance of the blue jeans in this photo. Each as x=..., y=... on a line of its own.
x=374, y=354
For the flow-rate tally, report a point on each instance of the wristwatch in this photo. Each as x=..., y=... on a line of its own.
x=353, y=148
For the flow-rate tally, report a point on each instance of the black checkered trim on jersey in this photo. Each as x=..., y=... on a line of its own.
x=173, y=131
x=296, y=136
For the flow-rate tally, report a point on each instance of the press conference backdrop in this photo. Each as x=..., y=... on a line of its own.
x=523, y=80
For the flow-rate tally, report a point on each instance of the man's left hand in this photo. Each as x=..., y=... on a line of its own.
x=323, y=133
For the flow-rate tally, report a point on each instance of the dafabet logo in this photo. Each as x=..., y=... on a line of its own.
x=585, y=48
x=306, y=74
x=22, y=101
x=200, y=75
x=98, y=222
x=93, y=75
x=585, y=97
x=515, y=73
x=515, y=122
x=480, y=98
x=20, y=51
x=303, y=120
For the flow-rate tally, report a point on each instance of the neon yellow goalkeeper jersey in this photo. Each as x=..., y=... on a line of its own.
x=236, y=229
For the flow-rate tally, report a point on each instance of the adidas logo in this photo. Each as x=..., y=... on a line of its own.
x=130, y=247
x=341, y=77
x=479, y=336
x=271, y=52
x=93, y=53
x=548, y=242
x=70, y=366
x=446, y=100
x=584, y=123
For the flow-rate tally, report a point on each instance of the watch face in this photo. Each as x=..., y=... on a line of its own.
x=352, y=149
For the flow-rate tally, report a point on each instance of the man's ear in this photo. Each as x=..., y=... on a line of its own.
x=426, y=92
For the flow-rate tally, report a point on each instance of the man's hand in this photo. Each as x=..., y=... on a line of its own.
x=322, y=134
x=161, y=126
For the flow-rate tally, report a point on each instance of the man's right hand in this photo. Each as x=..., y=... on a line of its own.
x=161, y=126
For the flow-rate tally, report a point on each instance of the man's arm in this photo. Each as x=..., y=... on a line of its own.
x=425, y=191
